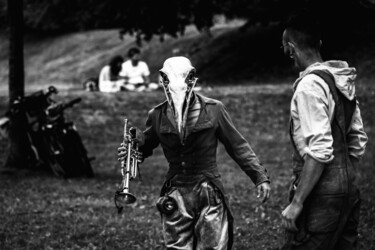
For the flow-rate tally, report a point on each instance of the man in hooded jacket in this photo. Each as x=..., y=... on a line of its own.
x=328, y=139
x=193, y=205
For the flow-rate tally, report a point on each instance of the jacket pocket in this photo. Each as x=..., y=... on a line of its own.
x=324, y=212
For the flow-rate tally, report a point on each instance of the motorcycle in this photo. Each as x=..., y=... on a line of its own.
x=54, y=143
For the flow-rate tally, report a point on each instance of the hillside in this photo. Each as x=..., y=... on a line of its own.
x=40, y=211
x=230, y=55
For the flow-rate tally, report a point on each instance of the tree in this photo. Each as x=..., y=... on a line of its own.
x=17, y=156
x=146, y=18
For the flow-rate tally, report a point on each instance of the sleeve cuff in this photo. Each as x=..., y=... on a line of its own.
x=318, y=157
x=356, y=155
x=262, y=179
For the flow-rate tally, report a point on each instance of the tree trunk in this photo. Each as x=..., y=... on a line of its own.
x=18, y=142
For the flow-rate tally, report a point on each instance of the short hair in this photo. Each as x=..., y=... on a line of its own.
x=304, y=28
x=133, y=51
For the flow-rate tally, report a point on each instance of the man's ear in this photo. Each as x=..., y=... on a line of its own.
x=292, y=45
x=292, y=48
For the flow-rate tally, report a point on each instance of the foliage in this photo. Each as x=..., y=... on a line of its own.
x=228, y=56
x=146, y=18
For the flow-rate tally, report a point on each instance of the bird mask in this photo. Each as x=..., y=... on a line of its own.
x=178, y=80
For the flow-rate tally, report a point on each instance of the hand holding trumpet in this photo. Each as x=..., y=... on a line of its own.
x=130, y=157
x=137, y=137
x=123, y=153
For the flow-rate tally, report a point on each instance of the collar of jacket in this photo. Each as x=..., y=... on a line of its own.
x=204, y=120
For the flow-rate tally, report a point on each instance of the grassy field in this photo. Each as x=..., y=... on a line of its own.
x=44, y=212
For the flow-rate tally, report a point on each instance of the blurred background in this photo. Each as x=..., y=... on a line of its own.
x=228, y=41
x=235, y=47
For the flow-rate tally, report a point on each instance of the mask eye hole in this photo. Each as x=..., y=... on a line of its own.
x=190, y=78
x=164, y=78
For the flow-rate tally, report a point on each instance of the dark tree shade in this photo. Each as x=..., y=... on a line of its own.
x=146, y=18
x=17, y=156
x=16, y=64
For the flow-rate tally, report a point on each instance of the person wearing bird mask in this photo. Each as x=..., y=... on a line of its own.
x=193, y=205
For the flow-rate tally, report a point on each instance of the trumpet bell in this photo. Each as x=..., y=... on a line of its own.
x=123, y=198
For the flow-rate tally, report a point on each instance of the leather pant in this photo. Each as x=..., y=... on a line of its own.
x=200, y=221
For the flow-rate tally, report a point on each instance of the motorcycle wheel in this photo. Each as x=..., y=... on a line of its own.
x=53, y=154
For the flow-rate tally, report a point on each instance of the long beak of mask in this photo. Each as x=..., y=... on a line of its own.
x=178, y=79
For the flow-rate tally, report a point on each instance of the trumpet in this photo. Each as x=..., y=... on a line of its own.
x=129, y=168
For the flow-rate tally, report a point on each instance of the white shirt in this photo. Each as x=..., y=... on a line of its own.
x=312, y=111
x=135, y=74
x=105, y=82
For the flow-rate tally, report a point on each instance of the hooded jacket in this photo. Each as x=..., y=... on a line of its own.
x=312, y=112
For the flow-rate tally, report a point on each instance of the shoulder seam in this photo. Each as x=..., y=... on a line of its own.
x=208, y=100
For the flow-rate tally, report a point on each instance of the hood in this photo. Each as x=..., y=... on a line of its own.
x=343, y=74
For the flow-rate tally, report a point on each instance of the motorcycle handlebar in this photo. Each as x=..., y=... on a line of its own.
x=73, y=102
x=36, y=100
x=58, y=108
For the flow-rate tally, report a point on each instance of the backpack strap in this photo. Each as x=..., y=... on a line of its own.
x=345, y=108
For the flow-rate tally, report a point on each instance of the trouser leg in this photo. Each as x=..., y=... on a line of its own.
x=178, y=227
x=349, y=236
x=317, y=241
x=211, y=228
x=201, y=221
x=347, y=240
x=343, y=237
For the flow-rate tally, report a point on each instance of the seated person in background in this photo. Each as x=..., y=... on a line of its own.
x=109, y=79
x=136, y=73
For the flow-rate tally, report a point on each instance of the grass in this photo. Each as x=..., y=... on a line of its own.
x=44, y=212
x=39, y=211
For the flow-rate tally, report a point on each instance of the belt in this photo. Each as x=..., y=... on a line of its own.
x=185, y=181
x=187, y=168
